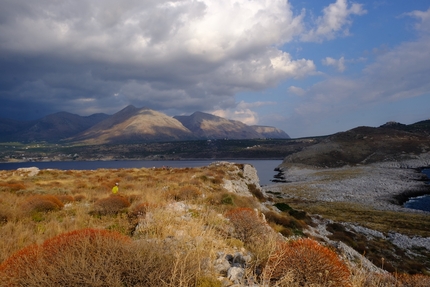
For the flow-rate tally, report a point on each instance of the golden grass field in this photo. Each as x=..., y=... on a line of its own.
x=164, y=227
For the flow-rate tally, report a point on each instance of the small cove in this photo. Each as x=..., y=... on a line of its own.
x=420, y=202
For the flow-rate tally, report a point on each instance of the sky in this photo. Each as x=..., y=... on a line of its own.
x=308, y=67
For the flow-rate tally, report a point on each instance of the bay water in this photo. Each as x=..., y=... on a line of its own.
x=265, y=168
x=420, y=202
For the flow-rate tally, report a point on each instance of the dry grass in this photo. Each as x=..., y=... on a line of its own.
x=54, y=202
x=163, y=228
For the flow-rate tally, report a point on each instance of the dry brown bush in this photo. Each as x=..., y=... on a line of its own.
x=247, y=224
x=308, y=263
x=416, y=280
x=12, y=186
x=111, y=205
x=187, y=192
x=79, y=197
x=363, y=278
x=141, y=209
x=41, y=203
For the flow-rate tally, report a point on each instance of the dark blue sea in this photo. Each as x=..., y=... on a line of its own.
x=265, y=168
x=420, y=202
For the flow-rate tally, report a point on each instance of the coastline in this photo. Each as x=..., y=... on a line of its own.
x=140, y=159
x=383, y=186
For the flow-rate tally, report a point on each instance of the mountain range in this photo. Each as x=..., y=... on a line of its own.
x=131, y=125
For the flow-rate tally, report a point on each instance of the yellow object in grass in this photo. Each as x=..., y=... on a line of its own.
x=115, y=189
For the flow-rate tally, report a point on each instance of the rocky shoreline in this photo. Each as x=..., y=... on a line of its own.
x=384, y=186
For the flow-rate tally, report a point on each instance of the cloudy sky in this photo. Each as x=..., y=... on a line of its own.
x=309, y=67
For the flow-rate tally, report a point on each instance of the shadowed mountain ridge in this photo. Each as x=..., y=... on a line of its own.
x=130, y=125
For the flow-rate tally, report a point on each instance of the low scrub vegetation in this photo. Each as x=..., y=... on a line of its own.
x=305, y=262
x=165, y=227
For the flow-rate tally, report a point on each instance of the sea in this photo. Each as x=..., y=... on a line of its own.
x=265, y=168
x=420, y=202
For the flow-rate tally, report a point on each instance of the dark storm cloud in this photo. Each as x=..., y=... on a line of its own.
x=179, y=56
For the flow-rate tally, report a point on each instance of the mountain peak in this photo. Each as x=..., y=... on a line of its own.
x=132, y=125
x=209, y=126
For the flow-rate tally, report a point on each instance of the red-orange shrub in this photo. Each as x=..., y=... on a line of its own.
x=12, y=186
x=20, y=264
x=308, y=263
x=42, y=203
x=111, y=205
x=74, y=240
x=87, y=257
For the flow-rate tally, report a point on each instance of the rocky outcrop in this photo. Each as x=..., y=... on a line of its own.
x=28, y=171
x=244, y=175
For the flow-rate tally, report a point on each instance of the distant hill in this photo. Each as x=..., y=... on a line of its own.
x=51, y=128
x=208, y=126
x=9, y=128
x=363, y=145
x=132, y=125
x=271, y=132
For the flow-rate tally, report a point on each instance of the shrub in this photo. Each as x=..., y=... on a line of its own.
x=248, y=226
x=256, y=192
x=283, y=206
x=217, y=180
x=87, y=257
x=12, y=186
x=208, y=282
x=41, y=203
x=364, y=278
x=284, y=220
x=92, y=257
x=187, y=192
x=140, y=210
x=227, y=199
x=79, y=197
x=308, y=263
x=416, y=280
x=24, y=262
x=111, y=205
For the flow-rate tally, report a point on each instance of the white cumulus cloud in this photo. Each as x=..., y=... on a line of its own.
x=338, y=64
x=336, y=19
